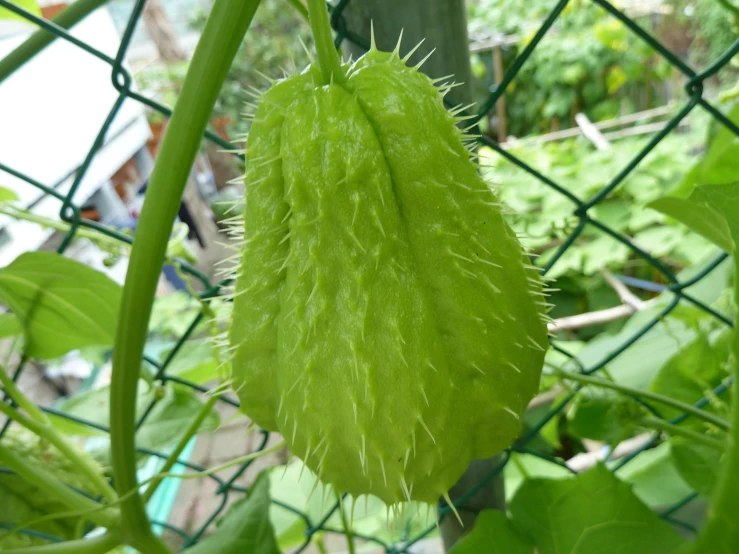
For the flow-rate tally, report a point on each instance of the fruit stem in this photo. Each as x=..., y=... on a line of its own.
x=661, y=399
x=223, y=35
x=328, y=57
x=670, y=429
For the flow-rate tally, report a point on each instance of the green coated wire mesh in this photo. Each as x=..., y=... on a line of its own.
x=581, y=209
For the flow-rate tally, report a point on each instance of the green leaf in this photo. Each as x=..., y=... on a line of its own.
x=295, y=485
x=698, y=465
x=94, y=405
x=172, y=314
x=654, y=478
x=10, y=326
x=527, y=466
x=24, y=502
x=724, y=199
x=246, y=526
x=195, y=362
x=593, y=513
x=164, y=425
x=603, y=252
x=493, y=534
x=603, y=415
x=719, y=164
x=171, y=416
x=28, y=5
x=62, y=304
x=693, y=370
x=702, y=219
x=7, y=195
x=636, y=366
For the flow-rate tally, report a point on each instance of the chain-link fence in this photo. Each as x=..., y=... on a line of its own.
x=581, y=209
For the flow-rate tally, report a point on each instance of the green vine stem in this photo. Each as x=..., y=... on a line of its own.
x=227, y=465
x=49, y=434
x=175, y=454
x=108, y=243
x=107, y=517
x=39, y=40
x=40, y=424
x=675, y=430
x=93, y=545
x=21, y=399
x=720, y=534
x=345, y=525
x=665, y=400
x=61, y=226
x=328, y=58
x=223, y=34
x=87, y=512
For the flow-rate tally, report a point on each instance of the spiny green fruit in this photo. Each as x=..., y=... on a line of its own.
x=385, y=321
x=24, y=502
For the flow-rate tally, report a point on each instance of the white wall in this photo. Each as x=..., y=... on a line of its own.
x=50, y=113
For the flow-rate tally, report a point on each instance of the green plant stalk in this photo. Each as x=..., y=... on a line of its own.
x=345, y=525
x=223, y=34
x=39, y=40
x=108, y=517
x=521, y=468
x=665, y=400
x=720, y=533
x=328, y=58
x=95, y=545
x=677, y=431
x=61, y=226
x=49, y=434
x=175, y=454
x=82, y=232
x=21, y=399
x=318, y=541
x=232, y=463
x=99, y=507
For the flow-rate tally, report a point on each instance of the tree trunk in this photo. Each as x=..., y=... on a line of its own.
x=442, y=23
x=161, y=32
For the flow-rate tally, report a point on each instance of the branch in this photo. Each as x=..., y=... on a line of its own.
x=654, y=397
x=631, y=304
x=695, y=437
x=586, y=460
x=594, y=318
x=626, y=296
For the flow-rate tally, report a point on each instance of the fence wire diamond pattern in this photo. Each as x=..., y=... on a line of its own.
x=122, y=81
